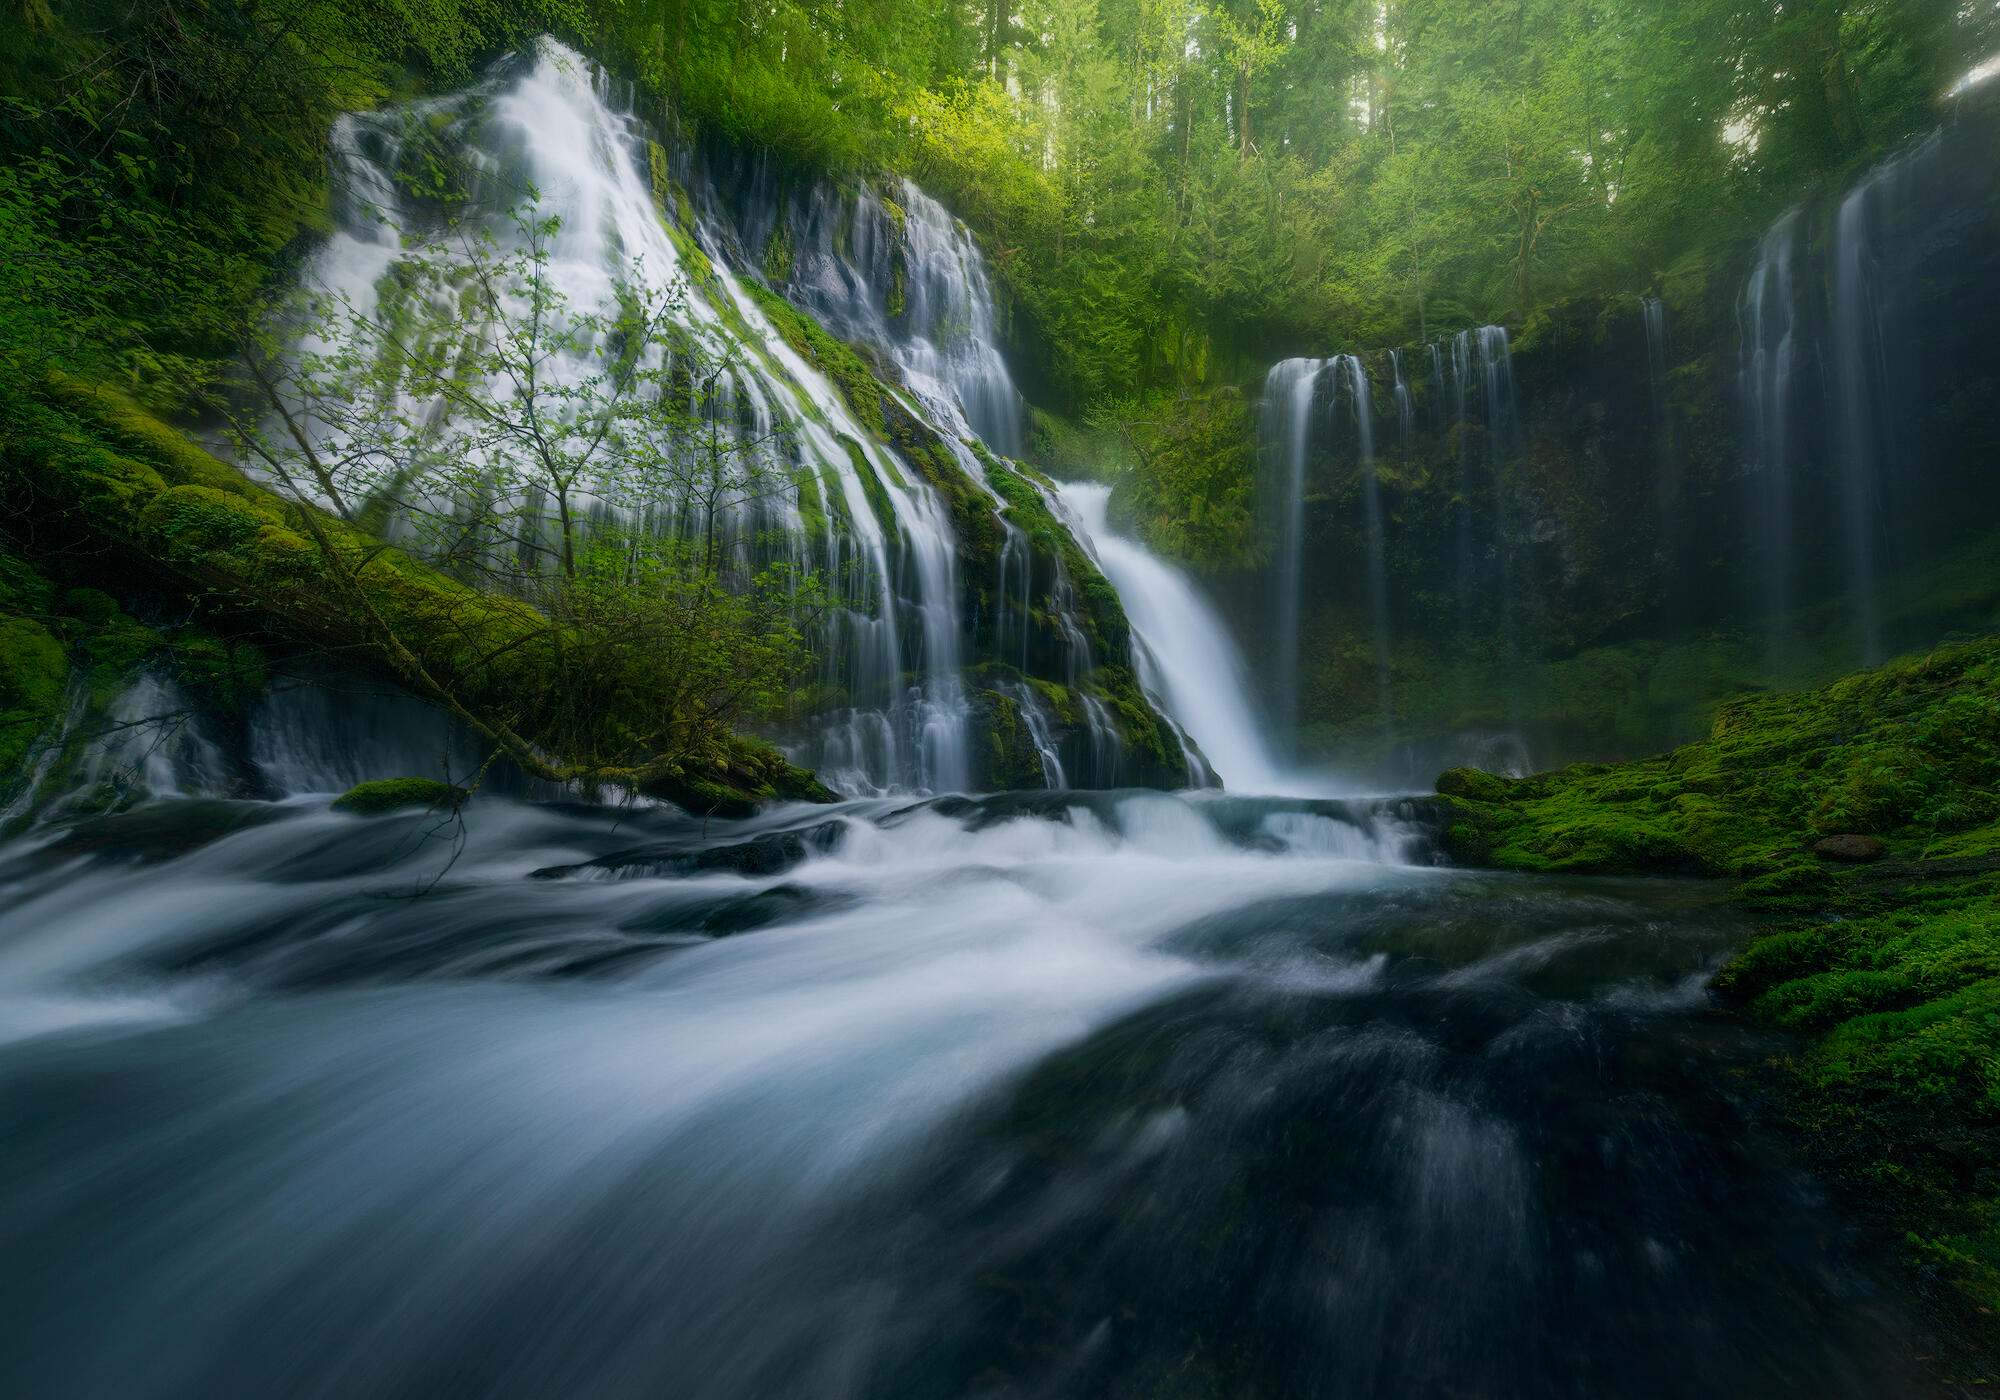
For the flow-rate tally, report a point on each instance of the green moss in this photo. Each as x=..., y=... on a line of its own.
x=1890, y=971
x=224, y=676
x=871, y=486
x=34, y=672
x=778, y=254
x=1910, y=751
x=1009, y=760
x=399, y=794
x=834, y=358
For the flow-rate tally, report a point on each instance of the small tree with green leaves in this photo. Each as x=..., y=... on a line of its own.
x=584, y=459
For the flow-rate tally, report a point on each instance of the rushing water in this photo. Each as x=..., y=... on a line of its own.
x=1189, y=659
x=1039, y=1095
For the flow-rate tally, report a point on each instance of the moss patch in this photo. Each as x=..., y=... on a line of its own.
x=1890, y=972
x=399, y=794
x=34, y=672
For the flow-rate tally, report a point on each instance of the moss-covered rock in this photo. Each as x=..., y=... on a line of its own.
x=835, y=358
x=1008, y=759
x=34, y=673
x=1890, y=969
x=400, y=794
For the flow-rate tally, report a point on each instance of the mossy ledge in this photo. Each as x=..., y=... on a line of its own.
x=1887, y=974
x=99, y=475
x=385, y=795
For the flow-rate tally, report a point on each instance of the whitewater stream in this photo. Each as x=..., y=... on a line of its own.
x=1042, y=1094
x=1049, y=1094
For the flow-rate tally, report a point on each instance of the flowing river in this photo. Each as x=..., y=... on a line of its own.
x=1044, y=1094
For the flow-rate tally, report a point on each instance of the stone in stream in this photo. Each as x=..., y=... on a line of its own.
x=1851, y=848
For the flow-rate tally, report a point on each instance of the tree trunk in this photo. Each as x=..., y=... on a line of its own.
x=998, y=19
x=1243, y=111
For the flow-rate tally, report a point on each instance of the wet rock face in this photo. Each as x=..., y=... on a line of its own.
x=771, y=853
x=1851, y=848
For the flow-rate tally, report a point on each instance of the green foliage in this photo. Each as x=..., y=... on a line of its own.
x=34, y=671
x=155, y=160
x=1184, y=473
x=628, y=684
x=1172, y=188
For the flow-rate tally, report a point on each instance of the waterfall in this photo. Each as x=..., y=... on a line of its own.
x=1406, y=408
x=1371, y=506
x=885, y=268
x=1856, y=345
x=1653, y=316
x=1471, y=400
x=1863, y=316
x=1668, y=484
x=1858, y=323
x=891, y=644
x=1496, y=372
x=1438, y=382
x=1194, y=666
x=892, y=268
x=1769, y=347
x=1468, y=409
x=1286, y=417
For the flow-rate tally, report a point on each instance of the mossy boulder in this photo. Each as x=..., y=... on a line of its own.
x=1009, y=759
x=372, y=799
x=1859, y=820
x=1475, y=784
x=34, y=672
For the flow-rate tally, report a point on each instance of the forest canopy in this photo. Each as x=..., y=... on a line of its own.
x=1177, y=190
x=1174, y=192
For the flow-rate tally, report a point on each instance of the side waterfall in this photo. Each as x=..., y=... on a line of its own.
x=1287, y=437
x=1862, y=326
x=1196, y=670
x=1318, y=419
x=1362, y=398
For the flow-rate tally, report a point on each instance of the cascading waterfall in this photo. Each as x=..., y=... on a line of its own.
x=1496, y=377
x=1406, y=407
x=1454, y=361
x=1769, y=350
x=1869, y=393
x=1362, y=397
x=888, y=269
x=1192, y=663
x=892, y=268
x=1653, y=316
x=1327, y=406
x=1287, y=434
x=547, y=123
x=1856, y=316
